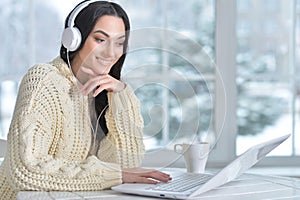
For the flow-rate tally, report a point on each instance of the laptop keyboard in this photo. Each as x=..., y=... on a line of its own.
x=182, y=182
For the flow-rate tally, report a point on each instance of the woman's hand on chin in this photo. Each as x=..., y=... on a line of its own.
x=101, y=82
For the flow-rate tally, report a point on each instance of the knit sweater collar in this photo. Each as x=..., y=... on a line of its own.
x=64, y=69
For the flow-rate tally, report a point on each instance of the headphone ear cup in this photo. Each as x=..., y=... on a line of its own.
x=71, y=38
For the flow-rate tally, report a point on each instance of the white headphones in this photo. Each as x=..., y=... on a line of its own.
x=71, y=37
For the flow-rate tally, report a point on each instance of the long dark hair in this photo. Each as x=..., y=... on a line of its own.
x=85, y=22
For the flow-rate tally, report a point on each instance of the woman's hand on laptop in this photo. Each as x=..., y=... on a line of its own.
x=141, y=175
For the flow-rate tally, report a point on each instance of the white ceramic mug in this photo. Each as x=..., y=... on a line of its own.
x=195, y=155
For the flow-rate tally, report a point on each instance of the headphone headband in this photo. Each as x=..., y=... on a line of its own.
x=71, y=37
x=77, y=10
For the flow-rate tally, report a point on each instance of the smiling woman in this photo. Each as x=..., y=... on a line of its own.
x=102, y=49
x=74, y=118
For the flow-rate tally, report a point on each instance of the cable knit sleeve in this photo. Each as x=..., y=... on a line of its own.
x=124, y=141
x=37, y=128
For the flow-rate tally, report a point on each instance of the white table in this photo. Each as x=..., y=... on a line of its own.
x=247, y=187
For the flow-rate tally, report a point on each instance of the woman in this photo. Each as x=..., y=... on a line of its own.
x=54, y=142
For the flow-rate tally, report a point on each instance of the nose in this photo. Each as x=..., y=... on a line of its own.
x=109, y=50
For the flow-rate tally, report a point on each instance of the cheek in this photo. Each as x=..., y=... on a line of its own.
x=87, y=48
x=119, y=52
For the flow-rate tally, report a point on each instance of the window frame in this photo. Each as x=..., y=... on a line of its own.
x=226, y=65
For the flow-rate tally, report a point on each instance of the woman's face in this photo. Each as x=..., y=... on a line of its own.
x=104, y=45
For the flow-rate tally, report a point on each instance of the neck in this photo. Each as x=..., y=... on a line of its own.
x=76, y=63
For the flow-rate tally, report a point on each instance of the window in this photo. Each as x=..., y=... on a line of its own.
x=268, y=73
x=174, y=73
x=30, y=32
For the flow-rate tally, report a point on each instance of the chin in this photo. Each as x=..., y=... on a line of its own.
x=102, y=71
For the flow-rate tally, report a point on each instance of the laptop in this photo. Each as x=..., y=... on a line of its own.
x=192, y=185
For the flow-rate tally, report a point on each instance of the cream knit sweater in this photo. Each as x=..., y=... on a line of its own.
x=50, y=136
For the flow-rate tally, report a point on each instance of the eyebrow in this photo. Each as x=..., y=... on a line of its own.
x=106, y=34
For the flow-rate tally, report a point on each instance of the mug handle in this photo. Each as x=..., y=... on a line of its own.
x=176, y=149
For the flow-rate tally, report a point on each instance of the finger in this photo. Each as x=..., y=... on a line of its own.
x=100, y=89
x=104, y=85
x=146, y=172
x=160, y=177
x=88, y=87
x=157, y=175
x=88, y=71
x=145, y=180
x=91, y=84
x=87, y=84
x=109, y=84
x=164, y=177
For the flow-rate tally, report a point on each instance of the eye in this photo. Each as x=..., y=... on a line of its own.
x=99, y=40
x=120, y=43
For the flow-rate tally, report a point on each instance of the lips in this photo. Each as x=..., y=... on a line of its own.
x=104, y=62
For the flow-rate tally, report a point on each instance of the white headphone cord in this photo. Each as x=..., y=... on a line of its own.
x=98, y=118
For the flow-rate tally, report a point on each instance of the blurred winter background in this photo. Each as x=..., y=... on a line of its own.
x=171, y=65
